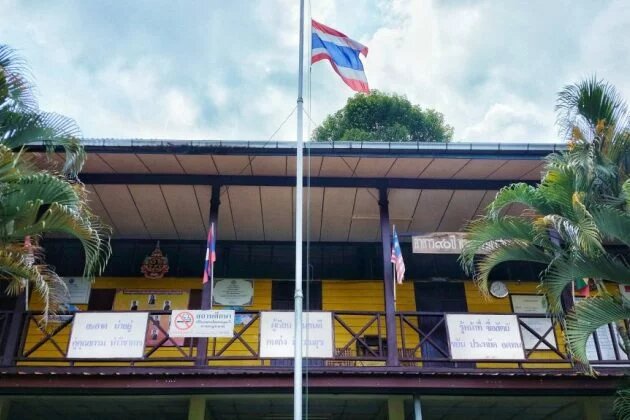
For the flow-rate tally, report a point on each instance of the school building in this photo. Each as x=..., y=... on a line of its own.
x=432, y=345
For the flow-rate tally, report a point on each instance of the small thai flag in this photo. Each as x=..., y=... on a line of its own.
x=343, y=54
x=397, y=258
x=211, y=255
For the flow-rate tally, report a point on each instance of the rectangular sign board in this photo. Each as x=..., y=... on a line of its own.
x=233, y=292
x=484, y=337
x=529, y=304
x=544, y=328
x=108, y=335
x=534, y=304
x=438, y=243
x=192, y=323
x=78, y=289
x=277, y=334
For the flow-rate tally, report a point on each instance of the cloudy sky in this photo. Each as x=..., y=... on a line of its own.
x=216, y=69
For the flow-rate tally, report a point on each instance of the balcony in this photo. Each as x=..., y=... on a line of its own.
x=359, y=343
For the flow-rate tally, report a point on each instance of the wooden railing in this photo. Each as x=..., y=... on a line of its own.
x=359, y=341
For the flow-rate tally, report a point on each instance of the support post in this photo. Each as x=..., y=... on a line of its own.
x=590, y=409
x=206, y=289
x=417, y=407
x=197, y=408
x=5, y=408
x=299, y=186
x=15, y=329
x=396, y=408
x=566, y=298
x=388, y=279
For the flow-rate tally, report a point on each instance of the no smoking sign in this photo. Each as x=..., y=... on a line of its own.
x=184, y=321
x=202, y=323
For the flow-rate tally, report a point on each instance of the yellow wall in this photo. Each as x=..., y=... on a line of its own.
x=346, y=295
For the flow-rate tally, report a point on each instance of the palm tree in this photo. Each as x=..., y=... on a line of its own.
x=36, y=201
x=581, y=205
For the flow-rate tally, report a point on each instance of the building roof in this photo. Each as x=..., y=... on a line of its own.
x=160, y=189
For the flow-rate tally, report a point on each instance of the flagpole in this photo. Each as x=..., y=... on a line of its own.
x=395, y=283
x=299, y=183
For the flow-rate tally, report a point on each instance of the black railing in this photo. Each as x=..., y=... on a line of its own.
x=6, y=350
x=359, y=341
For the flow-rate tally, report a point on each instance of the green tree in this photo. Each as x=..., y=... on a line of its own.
x=380, y=116
x=35, y=201
x=581, y=204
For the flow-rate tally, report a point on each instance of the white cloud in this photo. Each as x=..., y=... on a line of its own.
x=519, y=122
x=197, y=70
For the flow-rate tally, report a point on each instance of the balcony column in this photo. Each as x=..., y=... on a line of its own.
x=590, y=408
x=5, y=407
x=206, y=289
x=196, y=408
x=396, y=408
x=388, y=278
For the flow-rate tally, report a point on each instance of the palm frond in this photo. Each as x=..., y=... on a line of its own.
x=42, y=187
x=485, y=234
x=565, y=268
x=508, y=251
x=586, y=317
x=558, y=187
x=583, y=234
x=21, y=129
x=621, y=406
x=520, y=193
x=84, y=226
x=625, y=188
x=587, y=104
x=612, y=223
x=15, y=268
x=16, y=87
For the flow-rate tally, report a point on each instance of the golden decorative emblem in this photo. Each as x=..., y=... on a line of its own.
x=155, y=265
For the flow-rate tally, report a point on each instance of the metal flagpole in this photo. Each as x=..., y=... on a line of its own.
x=212, y=247
x=297, y=374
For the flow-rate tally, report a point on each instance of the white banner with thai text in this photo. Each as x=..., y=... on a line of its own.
x=438, y=243
x=277, y=334
x=484, y=337
x=187, y=323
x=108, y=335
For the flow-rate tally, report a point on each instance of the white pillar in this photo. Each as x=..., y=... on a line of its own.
x=417, y=408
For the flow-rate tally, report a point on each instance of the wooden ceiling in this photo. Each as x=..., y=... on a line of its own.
x=176, y=210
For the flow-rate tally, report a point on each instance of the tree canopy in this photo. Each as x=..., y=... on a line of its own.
x=581, y=205
x=380, y=116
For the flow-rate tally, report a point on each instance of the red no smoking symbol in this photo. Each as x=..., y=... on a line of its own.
x=184, y=320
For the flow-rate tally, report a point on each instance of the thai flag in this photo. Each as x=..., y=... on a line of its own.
x=397, y=258
x=211, y=255
x=343, y=54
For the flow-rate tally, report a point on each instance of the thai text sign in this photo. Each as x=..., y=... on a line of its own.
x=187, y=323
x=438, y=243
x=277, y=334
x=233, y=292
x=108, y=335
x=484, y=337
